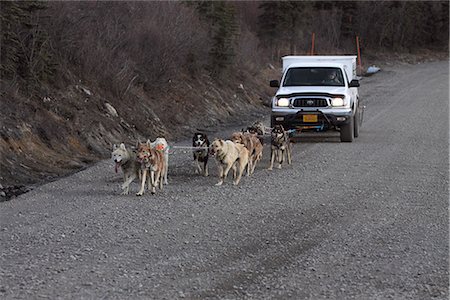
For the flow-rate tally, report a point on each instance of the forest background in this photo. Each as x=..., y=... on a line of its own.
x=77, y=77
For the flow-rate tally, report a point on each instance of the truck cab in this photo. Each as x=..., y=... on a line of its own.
x=318, y=93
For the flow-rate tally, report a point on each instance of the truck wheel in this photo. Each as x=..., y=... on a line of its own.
x=347, y=131
x=356, y=124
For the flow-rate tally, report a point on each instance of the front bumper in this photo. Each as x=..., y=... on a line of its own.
x=325, y=119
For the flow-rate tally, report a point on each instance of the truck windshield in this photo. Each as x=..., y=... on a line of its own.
x=313, y=76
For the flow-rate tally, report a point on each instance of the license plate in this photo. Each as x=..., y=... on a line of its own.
x=310, y=118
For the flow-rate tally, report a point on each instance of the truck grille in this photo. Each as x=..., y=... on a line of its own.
x=310, y=102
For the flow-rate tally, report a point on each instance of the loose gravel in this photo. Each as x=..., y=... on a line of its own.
x=361, y=220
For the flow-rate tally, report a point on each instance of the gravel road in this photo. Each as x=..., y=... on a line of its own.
x=361, y=220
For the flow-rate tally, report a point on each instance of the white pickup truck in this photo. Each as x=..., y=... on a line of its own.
x=318, y=93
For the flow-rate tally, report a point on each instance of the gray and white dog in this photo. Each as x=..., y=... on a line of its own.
x=126, y=160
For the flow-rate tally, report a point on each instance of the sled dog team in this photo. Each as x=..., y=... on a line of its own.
x=150, y=161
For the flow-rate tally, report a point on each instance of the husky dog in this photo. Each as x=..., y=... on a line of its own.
x=253, y=145
x=280, y=146
x=258, y=127
x=229, y=155
x=126, y=160
x=152, y=161
x=201, y=155
x=160, y=144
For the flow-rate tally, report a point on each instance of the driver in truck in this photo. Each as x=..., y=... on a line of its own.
x=332, y=78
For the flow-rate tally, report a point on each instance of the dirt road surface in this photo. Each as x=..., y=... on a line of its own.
x=361, y=220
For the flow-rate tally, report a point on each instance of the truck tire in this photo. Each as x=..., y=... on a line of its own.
x=356, y=124
x=347, y=131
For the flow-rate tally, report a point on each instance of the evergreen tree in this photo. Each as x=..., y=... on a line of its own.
x=221, y=17
x=271, y=26
x=282, y=24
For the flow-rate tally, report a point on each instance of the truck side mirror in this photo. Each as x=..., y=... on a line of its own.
x=274, y=83
x=354, y=83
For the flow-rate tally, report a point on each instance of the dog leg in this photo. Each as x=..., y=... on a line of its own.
x=163, y=174
x=205, y=168
x=157, y=180
x=241, y=171
x=249, y=167
x=126, y=184
x=166, y=168
x=280, y=158
x=152, y=188
x=161, y=177
x=198, y=169
x=151, y=180
x=272, y=159
x=289, y=153
x=225, y=172
x=234, y=170
x=141, y=191
x=257, y=158
x=221, y=171
x=254, y=163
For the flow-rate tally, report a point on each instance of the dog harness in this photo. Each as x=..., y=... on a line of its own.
x=221, y=157
x=278, y=142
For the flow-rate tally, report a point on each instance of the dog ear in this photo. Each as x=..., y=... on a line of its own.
x=122, y=146
x=114, y=147
x=149, y=143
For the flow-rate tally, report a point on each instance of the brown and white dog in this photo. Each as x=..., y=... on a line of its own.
x=160, y=144
x=229, y=155
x=152, y=161
x=280, y=146
x=253, y=145
x=200, y=141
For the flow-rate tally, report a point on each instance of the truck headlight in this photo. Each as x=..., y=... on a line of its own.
x=284, y=102
x=337, y=102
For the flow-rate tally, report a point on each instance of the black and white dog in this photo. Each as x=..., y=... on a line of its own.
x=200, y=140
